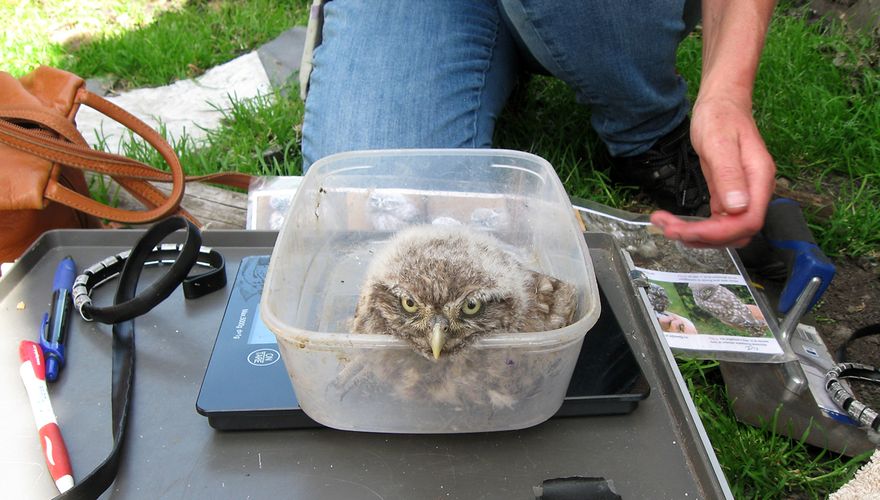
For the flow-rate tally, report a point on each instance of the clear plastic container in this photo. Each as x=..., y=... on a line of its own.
x=347, y=207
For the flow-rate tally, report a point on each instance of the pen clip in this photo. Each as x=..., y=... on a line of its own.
x=53, y=352
x=44, y=332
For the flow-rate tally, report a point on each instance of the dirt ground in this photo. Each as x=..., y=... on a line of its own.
x=852, y=301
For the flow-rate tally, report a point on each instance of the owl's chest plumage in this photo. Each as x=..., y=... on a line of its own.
x=465, y=285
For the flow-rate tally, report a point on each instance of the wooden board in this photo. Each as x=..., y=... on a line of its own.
x=214, y=207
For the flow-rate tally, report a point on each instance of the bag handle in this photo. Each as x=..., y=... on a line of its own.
x=113, y=111
x=81, y=157
x=130, y=174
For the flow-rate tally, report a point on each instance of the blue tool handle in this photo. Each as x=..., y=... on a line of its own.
x=786, y=230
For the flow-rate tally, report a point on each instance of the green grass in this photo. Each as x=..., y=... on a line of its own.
x=758, y=462
x=854, y=229
x=816, y=102
x=134, y=45
x=816, y=115
x=37, y=32
x=259, y=136
x=185, y=42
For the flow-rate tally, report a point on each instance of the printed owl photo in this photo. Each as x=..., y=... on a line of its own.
x=440, y=288
x=722, y=304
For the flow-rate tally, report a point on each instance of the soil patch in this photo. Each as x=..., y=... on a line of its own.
x=852, y=301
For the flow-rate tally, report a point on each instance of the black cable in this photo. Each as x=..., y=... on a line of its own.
x=861, y=332
x=182, y=257
x=128, y=305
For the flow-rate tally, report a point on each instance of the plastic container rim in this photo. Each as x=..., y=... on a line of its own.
x=333, y=340
x=369, y=153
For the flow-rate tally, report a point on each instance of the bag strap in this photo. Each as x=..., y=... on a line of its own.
x=71, y=149
x=82, y=157
x=97, y=482
x=113, y=111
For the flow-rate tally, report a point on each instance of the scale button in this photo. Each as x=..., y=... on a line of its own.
x=263, y=357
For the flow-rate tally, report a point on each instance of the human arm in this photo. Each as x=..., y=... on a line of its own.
x=738, y=168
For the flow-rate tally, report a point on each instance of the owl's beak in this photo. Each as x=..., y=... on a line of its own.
x=438, y=336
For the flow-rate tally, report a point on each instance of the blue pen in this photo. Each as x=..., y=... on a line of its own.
x=53, y=331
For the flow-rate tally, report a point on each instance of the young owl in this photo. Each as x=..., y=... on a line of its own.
x=440, y=288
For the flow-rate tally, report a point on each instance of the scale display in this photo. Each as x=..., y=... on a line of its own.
x=260, y=334
x=246, y=385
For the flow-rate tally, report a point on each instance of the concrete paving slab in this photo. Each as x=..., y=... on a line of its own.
x=192, y=107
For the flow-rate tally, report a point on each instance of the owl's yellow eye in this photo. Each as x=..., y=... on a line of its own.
x=471, y=307
x=409, y=305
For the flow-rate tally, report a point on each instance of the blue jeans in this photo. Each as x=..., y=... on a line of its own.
x=436, y=74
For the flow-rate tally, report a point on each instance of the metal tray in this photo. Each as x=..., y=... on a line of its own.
x=659, y=450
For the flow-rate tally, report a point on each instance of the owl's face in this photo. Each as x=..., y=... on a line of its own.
x=707, y=292
x=444, y=320
x=439, y=291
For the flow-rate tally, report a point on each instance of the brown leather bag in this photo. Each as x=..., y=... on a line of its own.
x=43, y=157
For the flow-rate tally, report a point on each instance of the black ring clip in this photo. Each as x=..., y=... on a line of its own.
x=181, y=256
x=860, y=412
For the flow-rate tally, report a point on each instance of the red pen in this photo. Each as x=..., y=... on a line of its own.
x=33, y=373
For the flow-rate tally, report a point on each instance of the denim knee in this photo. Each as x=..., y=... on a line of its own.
x=621, y=63
x=407, y=75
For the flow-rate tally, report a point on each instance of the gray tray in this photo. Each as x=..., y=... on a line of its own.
x=660, y=450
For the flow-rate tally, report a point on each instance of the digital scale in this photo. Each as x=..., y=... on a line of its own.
x=246, y=385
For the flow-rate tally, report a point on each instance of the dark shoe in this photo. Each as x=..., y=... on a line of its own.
x=669, y=173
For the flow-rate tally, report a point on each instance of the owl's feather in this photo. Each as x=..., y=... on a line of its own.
x=455, y=284
x=658, y=297
x=725, y=306
x=441, y=268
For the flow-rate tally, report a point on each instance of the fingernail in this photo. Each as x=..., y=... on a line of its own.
x=736, y=199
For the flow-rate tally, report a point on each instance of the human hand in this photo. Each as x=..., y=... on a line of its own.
x=673, y=323
x=739, y=171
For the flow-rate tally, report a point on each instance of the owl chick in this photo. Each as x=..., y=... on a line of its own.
x=440, y=288
x=725, y=306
